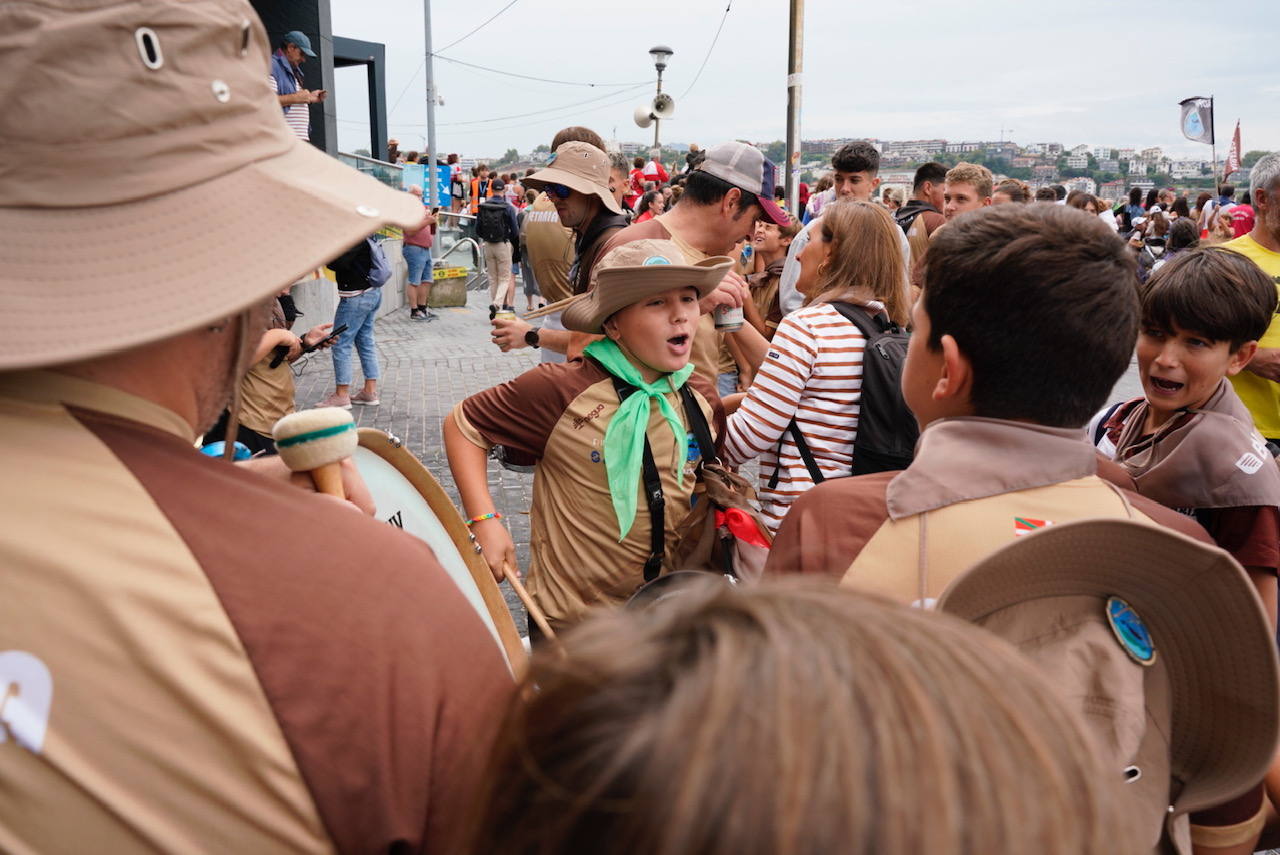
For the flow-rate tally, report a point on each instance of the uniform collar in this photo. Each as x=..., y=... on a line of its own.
x=973, y=458
x=51, y=388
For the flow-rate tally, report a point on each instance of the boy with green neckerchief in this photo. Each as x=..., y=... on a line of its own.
x=585, y=424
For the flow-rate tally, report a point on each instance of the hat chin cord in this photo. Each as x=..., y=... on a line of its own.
x=244, y=323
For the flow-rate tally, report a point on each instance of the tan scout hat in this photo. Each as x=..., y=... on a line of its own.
x=149, y=184
x=579, y=166
x=1159, y=640
x=633, y=271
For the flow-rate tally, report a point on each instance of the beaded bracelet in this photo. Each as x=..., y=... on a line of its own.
x=493, y=516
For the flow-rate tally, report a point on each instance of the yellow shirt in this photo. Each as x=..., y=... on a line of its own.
x=1260, y=395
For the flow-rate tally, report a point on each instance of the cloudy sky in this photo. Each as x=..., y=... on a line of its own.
x=1102, y=73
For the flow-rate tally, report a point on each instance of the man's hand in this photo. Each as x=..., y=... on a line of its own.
x=732, y=291
x=1266, y=364
x=496, y=546
x=508, y=334
x=358, y=495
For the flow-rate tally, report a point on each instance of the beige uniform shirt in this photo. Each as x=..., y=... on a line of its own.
x=556, y=415
x=194, y=658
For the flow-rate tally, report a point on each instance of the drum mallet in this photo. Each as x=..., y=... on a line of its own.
x=529, y=605
x=316, y=442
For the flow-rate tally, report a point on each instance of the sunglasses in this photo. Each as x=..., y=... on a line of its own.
x=557, y=190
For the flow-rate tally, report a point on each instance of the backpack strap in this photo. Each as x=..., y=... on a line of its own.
x=698, y=424
x=805, y=454
x=871, y=326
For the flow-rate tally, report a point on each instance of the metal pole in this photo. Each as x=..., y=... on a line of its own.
x=795, y=74
x=1213, y=142
x=433, y=180
x=656, y=120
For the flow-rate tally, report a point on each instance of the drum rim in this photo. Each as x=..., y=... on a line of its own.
x=393, y=451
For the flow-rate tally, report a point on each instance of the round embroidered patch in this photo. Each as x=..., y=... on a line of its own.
x=1130, y=631
x=551, y=159
x=655, y=259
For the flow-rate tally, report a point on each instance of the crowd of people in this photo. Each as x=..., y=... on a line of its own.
x=1031, y=618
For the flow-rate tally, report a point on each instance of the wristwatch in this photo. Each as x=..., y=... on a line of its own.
x=531, y=338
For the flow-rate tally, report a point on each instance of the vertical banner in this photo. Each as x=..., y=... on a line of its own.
x=1233, y=156
x=1197, y=119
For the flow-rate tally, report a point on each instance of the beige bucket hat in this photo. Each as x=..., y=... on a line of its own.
x=1160, y=641
x=579, y=166
x=149, y=184
x=633, y=271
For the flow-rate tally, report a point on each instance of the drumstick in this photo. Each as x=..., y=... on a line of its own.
x=552, y=308
x=530, y=606
x=317, y=441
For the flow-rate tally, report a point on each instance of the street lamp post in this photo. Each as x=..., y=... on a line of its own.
x=660, y=56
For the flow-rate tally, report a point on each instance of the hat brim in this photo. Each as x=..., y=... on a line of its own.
x=773, y=212
x=550, y=175
x=619, y=287
x=81, y=282
x=1203, y=615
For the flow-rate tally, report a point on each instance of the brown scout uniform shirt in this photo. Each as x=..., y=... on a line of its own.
x=556, y=414
x=197, y=659
x=705, y=351
x=975, y=485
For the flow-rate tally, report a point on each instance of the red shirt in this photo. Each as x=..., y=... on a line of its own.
x=653, y=171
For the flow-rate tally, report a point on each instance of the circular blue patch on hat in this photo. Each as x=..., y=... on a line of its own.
x=655, y=259
x=552, y=158
x=1130, y=631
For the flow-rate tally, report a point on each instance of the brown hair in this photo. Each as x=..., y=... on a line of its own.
x=1082, y=199
x=1016, y=190
x=792, y=718
x=577, y=133
x=865, y=259
x=971, y=173
x=1041, y=300
x=1213, y=291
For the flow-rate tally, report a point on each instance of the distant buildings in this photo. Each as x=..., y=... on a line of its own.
x=1077, y=161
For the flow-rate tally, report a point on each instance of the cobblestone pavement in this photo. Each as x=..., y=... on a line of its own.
x=427, y=367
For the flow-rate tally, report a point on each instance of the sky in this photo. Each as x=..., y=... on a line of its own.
x=1101, y=73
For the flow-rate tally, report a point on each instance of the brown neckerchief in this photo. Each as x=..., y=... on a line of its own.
x=1208, y=457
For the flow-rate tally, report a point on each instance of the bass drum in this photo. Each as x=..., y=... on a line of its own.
x=409, y=497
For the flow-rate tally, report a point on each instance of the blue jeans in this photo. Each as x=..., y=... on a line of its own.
x=727, y=383
x=357, y=313
x=418, y=259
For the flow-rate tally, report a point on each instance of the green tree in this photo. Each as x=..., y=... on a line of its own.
x=776, y=151
x=511, y=156
x=1252, y=157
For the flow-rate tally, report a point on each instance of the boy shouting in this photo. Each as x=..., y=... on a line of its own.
x=589, y=424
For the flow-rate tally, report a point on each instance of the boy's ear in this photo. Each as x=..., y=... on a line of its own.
x=1243, y=356
x=955, y=385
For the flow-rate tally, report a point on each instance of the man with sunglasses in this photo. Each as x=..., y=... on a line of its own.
x=576, y=181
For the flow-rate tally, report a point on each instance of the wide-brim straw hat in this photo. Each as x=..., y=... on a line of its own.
x=149, y=183
x=579, y=166
x=1193, y=640
x=634, y=271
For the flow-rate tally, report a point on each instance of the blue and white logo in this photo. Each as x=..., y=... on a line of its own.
x=1194, y=127
x=1130, y=631
x=655, y=259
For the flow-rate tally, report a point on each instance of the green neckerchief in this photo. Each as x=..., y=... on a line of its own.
x=624, y=437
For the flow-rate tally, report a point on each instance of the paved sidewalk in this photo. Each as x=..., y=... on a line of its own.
x=428, y=367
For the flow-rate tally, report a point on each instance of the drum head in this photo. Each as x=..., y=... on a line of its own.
x=409, y=497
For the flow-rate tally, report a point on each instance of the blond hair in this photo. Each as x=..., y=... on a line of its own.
x=865, y=261
x=793, y=718
x=971, y=173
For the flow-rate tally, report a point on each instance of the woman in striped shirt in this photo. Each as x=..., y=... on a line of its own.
x=813, y=369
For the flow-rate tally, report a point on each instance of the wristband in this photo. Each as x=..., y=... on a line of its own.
x=482, y=517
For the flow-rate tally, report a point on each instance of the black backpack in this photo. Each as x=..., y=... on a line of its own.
x=887, y=429
x=491, y=221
